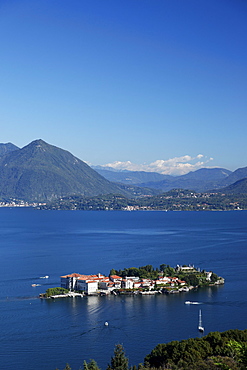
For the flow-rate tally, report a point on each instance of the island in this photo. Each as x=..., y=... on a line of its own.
x=136, y=280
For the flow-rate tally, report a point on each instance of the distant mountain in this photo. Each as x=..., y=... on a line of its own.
x=131, y=177
x=43, y=172
x=239, y=174
x=238, y=187
x=201, y=180
x=6, y=148
x=40, y=172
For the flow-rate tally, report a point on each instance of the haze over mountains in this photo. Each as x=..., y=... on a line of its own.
x=43, y=172
x=201, y=180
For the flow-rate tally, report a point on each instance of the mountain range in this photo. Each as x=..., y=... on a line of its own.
x=202, y=180
x=43, y=172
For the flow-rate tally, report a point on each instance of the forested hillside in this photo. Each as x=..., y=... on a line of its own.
x=227, y=351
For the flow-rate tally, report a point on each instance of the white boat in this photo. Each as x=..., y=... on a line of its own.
x=106, y=323
x=200, y=327
x=189, y=302
x=44, y=277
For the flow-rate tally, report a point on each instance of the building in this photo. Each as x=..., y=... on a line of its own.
x=85, y=283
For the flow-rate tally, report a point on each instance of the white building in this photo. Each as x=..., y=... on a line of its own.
x=86, y=283
x=87, y=286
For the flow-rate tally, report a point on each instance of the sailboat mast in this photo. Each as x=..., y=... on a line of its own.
x=200, y=327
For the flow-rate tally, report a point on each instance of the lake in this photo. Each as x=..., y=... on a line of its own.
x=45, y=334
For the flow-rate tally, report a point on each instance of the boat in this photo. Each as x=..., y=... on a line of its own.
x=44, y=277
x=200, y=327
x=33, y=285
x=189, y=302
x=106, y=323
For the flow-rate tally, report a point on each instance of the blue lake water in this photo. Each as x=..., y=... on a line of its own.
x=45, y=334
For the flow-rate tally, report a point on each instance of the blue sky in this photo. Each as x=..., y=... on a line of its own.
x=136, y=81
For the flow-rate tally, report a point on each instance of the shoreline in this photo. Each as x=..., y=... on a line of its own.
x=127, y=292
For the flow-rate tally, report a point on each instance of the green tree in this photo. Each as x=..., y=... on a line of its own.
x=162, y=267
x=243, y=356
x=191, y=279
x=92, y=365
x=67, y=367
x=119, y=361
x=214, y=277
x=56, y=291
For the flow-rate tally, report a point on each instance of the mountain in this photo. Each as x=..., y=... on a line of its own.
x=131, y=177
x=238, y=187
x=6, y=148
x=238, y=174
x=201, y=180
x=41, y=172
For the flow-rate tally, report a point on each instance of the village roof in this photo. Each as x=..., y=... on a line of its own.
x=71, y=275
x=85, y=277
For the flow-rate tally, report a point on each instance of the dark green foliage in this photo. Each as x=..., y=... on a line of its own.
x=67, y=367
x=56, y=291
x=227, y=351
x=214, y=277
x=144, y=272
x=214, y=351
x=191, y=279
x=168, y=270
x=91, y=365
x=119, y=361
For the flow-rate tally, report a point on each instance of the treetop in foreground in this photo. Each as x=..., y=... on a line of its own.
x=227, y=350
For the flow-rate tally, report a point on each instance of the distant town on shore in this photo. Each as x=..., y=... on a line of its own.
x=46, y=177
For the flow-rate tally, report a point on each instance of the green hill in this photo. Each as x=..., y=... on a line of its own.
x=239, y=187
x=238, y=174
x=41, y=172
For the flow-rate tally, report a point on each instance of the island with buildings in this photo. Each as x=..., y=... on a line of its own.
x=142, y=280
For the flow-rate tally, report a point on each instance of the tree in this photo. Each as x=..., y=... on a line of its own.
x=67, y=367
x=163, y=266
x=92, y=365
x=192, y=279
x=214, y=277
x=119, y=361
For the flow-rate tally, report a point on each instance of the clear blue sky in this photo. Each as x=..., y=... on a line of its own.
x=126, y=80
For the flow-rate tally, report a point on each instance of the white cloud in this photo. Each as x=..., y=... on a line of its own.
x=172, y=166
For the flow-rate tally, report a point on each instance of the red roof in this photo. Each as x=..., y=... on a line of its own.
x=85, y=277
x=71, y=275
